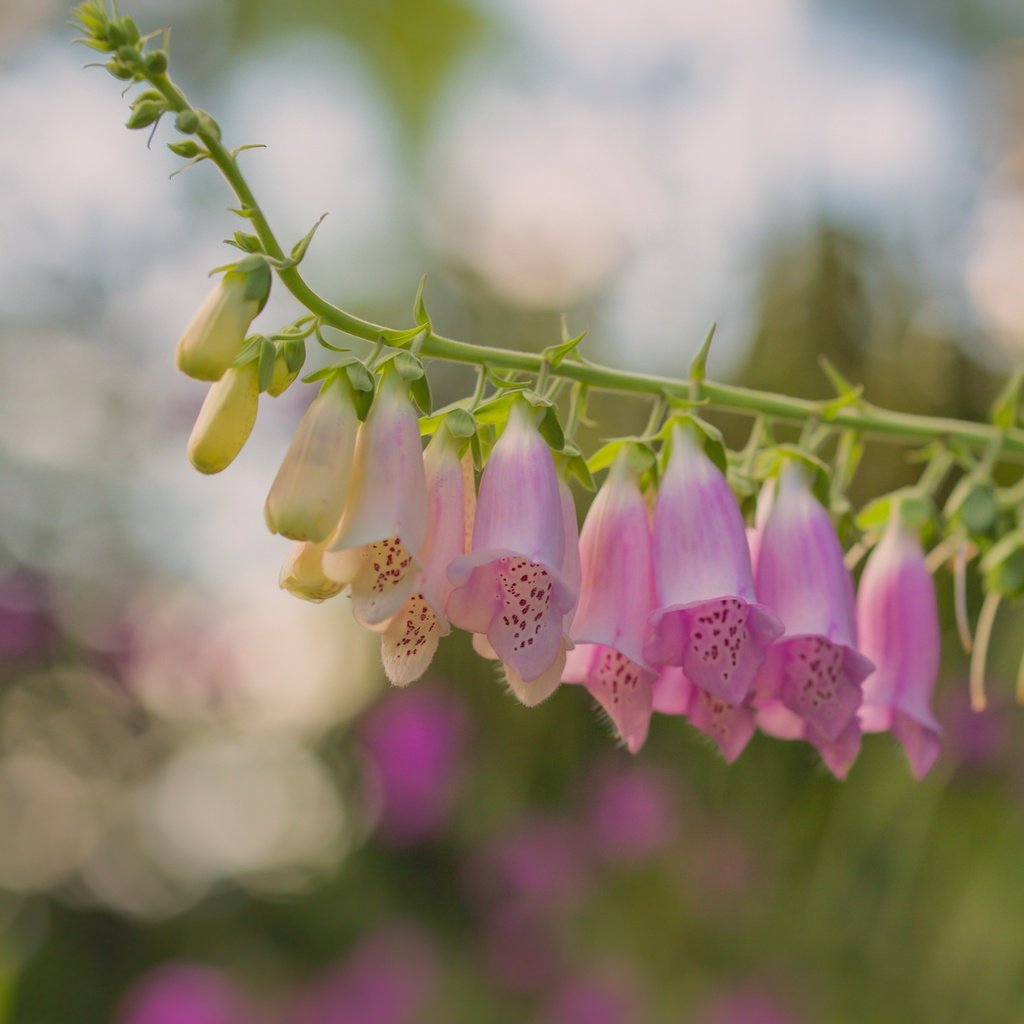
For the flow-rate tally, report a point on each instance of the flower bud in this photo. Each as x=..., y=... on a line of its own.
x=225, y=420
x=291, y=355
x=308, y=494
x=214, y=337
x=187, y=122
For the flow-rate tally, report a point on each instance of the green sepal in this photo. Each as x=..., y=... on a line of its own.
x=710, y=438
x=770, y=461
x=257, y=279
x=1003, y=566
x=460, y=423
x=267, y=357
x=246, y=242
x=916, y=511
x=249, y=351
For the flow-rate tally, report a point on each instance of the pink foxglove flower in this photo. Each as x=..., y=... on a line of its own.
x=730, y=726
x=707, y=620
x=616, y=598
x=775, y=719
x=308, y=494
x=815, y=670
x=511, y=586
x=410, y=640
x=225, y=419
x=378, y=543
x=899, y=631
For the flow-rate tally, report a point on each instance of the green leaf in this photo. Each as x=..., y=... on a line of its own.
x=555, y=355
x=1007, y=404
x=1003, y=566
x=577, y=469
x=973, y=503
x=419, y=309
x=299, y=248
x=604, y=456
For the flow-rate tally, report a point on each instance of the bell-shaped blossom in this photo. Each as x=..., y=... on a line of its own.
x=730, y=726
x=215, y=336
x=815, y=670
x=303, y=575
x=898, y=621
x=308, y=494
x=616, y=598
x=225, y=419
x=410, y=640
x=511, y=586
x=838, y=753
x=707, y=620
x=377, y=546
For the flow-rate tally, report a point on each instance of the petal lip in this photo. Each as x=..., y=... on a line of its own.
x=678, y=635
x=463, y=567
x=815, y=678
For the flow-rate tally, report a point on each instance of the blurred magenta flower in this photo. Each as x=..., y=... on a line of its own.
x=593, y=1000
x=521, y=947
x=975, y=740
x=25, y=627
x=814, y=671
x=388, y=979
x=898, y=618
x=415, y=742
x=385, y=519
x=538, y=861
x=511, y=585
x=632, y=813
x=184, y=993
x=616, y=597
x=410, y=640
x=745, y=1007
x=707, y=620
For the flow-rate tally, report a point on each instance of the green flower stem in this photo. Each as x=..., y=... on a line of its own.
x=869, y=420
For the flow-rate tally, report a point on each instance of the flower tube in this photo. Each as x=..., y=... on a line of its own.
x=511, y=586
x=899, y=630
x=225, y=419
x=308, y=494
x=377, y=547
x=410, y=639
x=616, y=598
x=707, y=620
x=815, y=670
x=214, y=337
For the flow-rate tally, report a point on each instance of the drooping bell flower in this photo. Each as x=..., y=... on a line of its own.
x=302, y=574
x=730, y=726
x=214, y=337
x=775, y=719
x=410, y=640
x=308, y=494
x=511, y=586
x=707, y=620
x=377, y=546
x=225, y=419
x=616, y=598
x=899, y=630
x=815, y=669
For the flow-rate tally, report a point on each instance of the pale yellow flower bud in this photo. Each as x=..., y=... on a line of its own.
x=308, y=494
x=302, y=574
x=214, y=337
x=225, y=420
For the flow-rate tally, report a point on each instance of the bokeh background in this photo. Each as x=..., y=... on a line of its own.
x=211, y=809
